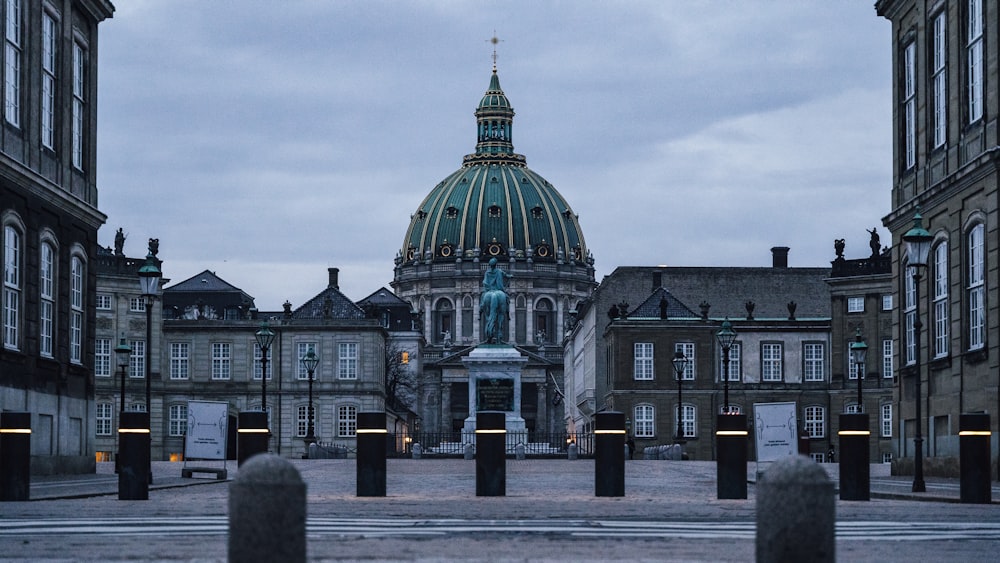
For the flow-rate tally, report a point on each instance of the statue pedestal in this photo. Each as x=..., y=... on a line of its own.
x=495, y=385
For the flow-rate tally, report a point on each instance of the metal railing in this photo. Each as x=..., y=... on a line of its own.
x=536, y=444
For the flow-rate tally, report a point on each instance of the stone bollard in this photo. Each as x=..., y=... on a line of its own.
x=519, y=451
x=795, y=512
x=267, y=511
x=470, y=451
x=417, y=451
x=573, y=451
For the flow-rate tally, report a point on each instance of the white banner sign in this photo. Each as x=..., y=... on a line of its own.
x=776, y=430
x=208, y=423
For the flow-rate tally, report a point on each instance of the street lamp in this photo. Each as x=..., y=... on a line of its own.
x=123, y=352
x=264, y=336
x=310, y=361
x=859, y=349
x=726, y=337
x=680, y=362
x=918, y=246
x=149, y=283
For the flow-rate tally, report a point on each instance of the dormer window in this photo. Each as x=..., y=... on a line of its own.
x=537, y=212
x=421, y=215
x=494, y=210
x=451, y=212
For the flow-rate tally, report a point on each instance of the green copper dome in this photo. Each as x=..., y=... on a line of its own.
x=494, y=205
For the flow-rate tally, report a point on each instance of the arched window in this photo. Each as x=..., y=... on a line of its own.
x=76, y=293
x=975, y=288
x=13, y=248
x=443, y=330
x=910, y=315
x=47, y=297
x=940, y=300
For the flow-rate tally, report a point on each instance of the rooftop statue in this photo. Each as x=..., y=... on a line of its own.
x=493, y=303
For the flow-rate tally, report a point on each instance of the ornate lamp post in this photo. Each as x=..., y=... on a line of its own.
x=264, y=336
x=918, y=246
x=680, y=362
x=149, y=283
x=726, y=336
x=859, y=350
x=310, y=361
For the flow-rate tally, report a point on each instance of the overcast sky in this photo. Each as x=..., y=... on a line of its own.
x=267, y=141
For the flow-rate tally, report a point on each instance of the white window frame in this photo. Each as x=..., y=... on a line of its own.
x=814, y=361
x=12, y=257
x=46, y=305
x=885, y=416
x=178, y=420
x=180, y=360
x=852, y=367
x=735, y=362
x=814, y=417
x=940, y=305
x=137, y=304
x=12, y=62
x=939, y=78
x=137, y=360
x=347, y=360
x=303, y=348
x=105, y=419
x=347, y=421
x=976, y=287
x=888, y=359
x=856, y=304
x=48, y=96
x=258, y=362
x=644, y=421
x=887, y=302
x=974, y=60
x=909, y=316
x=689, y=419
x=79, y=103
x=910, y=104
x=103, y=302
x=77, y=290
x=301, y=420
x=771, y=362
x=642, y=361
x=852, y=408
x=688, y=349
x=102, y=357
x=222, y=361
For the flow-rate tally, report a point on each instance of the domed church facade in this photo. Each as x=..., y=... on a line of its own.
x=494, y=206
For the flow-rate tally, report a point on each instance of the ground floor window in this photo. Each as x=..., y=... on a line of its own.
x=178, y=420
x=644, y=421
x=347, y=421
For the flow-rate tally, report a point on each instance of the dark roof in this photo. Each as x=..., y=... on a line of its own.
x=384, y=298
x=205, y=281
x=329, y=304
x=213, y=296
x=650, y=308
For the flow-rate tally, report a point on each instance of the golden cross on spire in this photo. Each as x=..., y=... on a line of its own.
x=494, y=40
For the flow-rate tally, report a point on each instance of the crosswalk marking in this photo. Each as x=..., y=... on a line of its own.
x=382, y=527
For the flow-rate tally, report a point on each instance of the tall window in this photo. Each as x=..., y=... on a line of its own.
x=258, y=362
x=102, y=357
x=301, y=420
x=687, y=348
x=105, y=419
x=888, y=366
x=180, y=360
x=642, y=361
x=941, y=300
x=347, y=421
x=48, y=80
x=347, y=360
x=178, y=421
x=688, y=418
x=137, y=359
x=939, y=76
x=814, y=354
x=976, y=288
x=75, y=309
x=12, y=63
x=303, y=348
x=222, y=358
x=910, y=103
x=79, y=58
x=853, y=368
x=974, y=59
x=886, y=420
x=11, y=286
x=46, y=305
x=815, y=421
x=770, y=362
x=910, y=315
x=644, y=421
x=734, y=362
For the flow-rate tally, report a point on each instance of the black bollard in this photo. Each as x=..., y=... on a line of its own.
x=491, y=458
x=609, y=454
x=974, y=455
x=855, y=471
x=252, y=435
x=15, y=456
x=133, y=449
x=731, y=457
x=371, y=454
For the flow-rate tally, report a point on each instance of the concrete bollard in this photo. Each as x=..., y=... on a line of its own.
x=470, y=452
x=417, y=451
x=796, y=509
x=267, y=512
x=573, y=451
x=519, y=451
x=15, y=456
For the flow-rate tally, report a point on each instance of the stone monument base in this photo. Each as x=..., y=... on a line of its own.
x=495, y=385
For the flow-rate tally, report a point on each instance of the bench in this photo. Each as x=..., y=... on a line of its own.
x=188, y=472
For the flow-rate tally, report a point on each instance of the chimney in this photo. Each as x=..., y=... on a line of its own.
x=657, y=279
x=333, y=277
x=779, y=257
